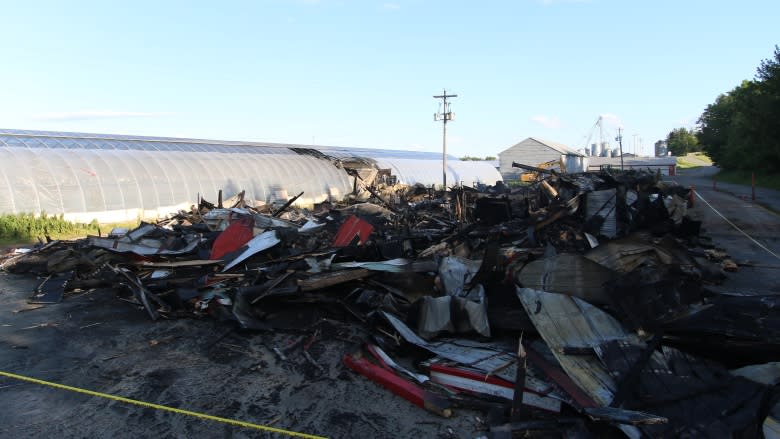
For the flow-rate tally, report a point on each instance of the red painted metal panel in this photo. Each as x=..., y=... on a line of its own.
x=238, y=233
x=352, y=228
x=401, y=387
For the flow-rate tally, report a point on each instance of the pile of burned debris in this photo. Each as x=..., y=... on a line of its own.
x=576, y=305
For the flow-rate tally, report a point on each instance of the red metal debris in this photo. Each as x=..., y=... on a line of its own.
x=401, y=387
x=238, y=233
x=353, y=228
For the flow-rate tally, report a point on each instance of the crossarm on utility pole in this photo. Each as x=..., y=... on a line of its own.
x=445, y=116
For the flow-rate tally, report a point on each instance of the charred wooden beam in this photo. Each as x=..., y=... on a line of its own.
x=286, y=205
x=333, y=278
x=532, y=168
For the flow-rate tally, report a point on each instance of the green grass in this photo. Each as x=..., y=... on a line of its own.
x=693, y=160
x=767, y=180
x=27, y=228
x=701, y=156
x=516, y=183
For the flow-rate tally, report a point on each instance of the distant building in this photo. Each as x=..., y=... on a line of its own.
x=665, y=165
x=661, y=149
x=533, y=151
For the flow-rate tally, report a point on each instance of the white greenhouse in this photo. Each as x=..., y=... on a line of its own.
x=114, y=178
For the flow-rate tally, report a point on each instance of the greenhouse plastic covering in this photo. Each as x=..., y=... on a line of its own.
x=114, y=178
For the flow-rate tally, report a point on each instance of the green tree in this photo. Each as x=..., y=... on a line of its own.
x=740, y=130
x=715, y=126
x=766, y=112
x=681, y=141
x=489, y=158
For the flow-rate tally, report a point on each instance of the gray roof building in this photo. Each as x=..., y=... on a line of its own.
x=531, y=151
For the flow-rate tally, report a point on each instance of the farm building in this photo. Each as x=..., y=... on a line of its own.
x=533, y=151
x=116, y=178
x=666, y=165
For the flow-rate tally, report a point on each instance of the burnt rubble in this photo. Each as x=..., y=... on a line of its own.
x=578, y=304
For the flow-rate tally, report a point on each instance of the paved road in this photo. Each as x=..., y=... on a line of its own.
x=757, y=219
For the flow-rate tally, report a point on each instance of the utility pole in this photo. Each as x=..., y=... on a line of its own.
x=619, y=139
x=444, y=116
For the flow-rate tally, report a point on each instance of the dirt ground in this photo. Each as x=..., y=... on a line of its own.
x=98, y=342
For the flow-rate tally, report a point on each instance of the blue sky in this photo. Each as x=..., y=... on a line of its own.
x=363, y=73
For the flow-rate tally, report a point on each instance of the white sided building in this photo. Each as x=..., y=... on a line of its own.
x=533, y=152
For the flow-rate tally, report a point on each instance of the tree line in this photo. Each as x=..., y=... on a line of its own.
x=741, y=129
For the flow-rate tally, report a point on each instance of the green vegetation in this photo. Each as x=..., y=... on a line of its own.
x=702, y=157
x=682, y=141
x=516, y=183
x=763, y=179
x=26, y=228
x=740, y=129
x=467, y=158
x=693, y=160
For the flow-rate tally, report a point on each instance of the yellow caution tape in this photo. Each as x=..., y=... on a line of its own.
x=161, y=407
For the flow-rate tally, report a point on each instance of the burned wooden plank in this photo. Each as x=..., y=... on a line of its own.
x=144, y=296
x=286, y=205
x=532, y=168
x=325, y=280
x=557, y=425
x=517, y=412
x=50, y=290
x=379, y=197
x=179, y=264
x=267, y=288
x=622, y=416
x=556, y=375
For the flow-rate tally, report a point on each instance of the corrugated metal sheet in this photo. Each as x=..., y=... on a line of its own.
x=565, y=321
x=603, y=203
